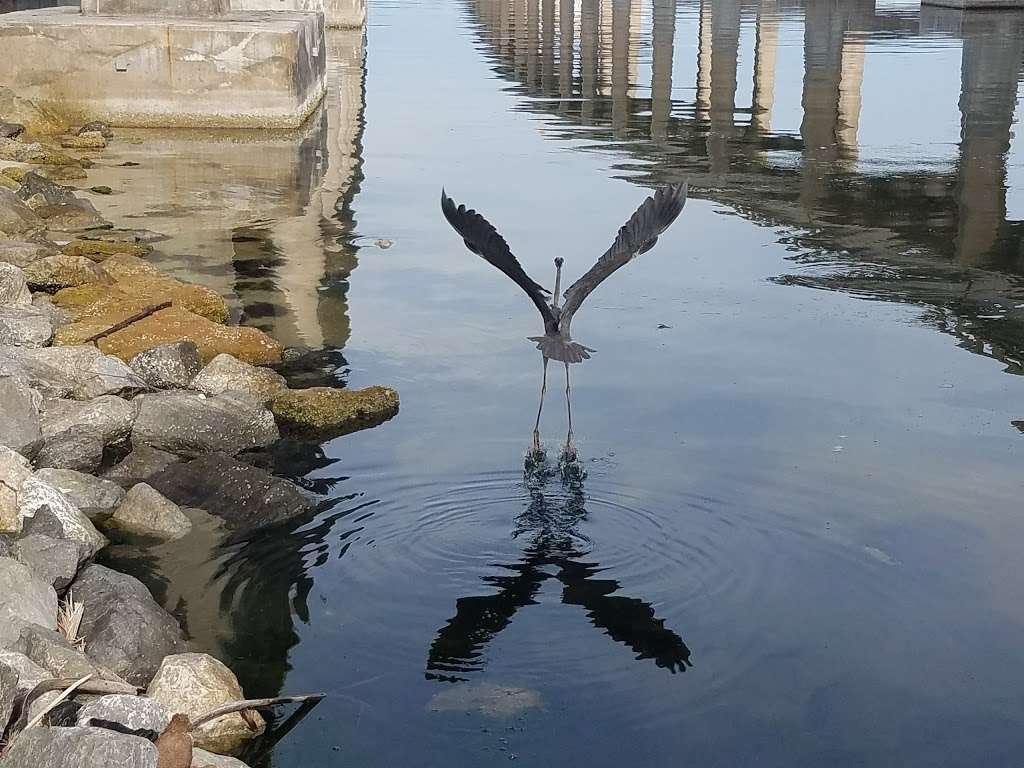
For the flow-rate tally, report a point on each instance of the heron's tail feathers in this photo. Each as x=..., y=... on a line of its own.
x=556, y=348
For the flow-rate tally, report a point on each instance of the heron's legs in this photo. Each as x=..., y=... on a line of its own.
x=540, y=408
x=569, y=454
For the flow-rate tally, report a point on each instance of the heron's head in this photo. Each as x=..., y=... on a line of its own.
x=559, y=261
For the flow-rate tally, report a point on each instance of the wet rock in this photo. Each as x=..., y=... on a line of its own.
x=108, y=417
x=245, y=497
x=86, y=140
x=43, y=509
x=101, y=250
x=16, y=218
x=92, y=495
x=327, y=411
x=76, y=448
x=25, y=600
x=190, y=424
x=55, y=561
x=491, y=700
x=8, y=690
x=25, y=326
x=193, y=684
x=62, y=270
x=140, y=465
x=122, y=235
x=203, y=759
x=79, y=748
x=21, y=254
x=72, y=217
x=226, y=374
x=11, y=130
x=63, y=172
x=147, y=512
x=135, y=713
x=97, y=126
x=20, y=427
x=14, y=471
x=101, y=189
x=81, y=372
x=124, y=628
x=14, y=290
x=52, y=193
x=168, y=366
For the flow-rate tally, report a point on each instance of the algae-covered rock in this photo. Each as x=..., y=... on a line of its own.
x=77, y=216
x=63, y=172
x=86, y=140
x=97, y=126
x=100, y=250
x=334, y=411
x=63, y=270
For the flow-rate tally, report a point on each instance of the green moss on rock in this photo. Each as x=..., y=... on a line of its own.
x=324, y=410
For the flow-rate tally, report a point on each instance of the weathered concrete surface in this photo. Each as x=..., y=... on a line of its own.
x=199, y=9
x=338, y=14
x=241, y=69
x=968, y=4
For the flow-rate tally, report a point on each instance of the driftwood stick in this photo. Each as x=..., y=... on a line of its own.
x=128, y=321
x=239, y=706
x=49, y=707
x=23, y=702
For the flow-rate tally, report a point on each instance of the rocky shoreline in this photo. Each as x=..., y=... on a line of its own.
x=129, y=406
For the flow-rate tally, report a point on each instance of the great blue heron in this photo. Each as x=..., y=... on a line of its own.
x=636, y=236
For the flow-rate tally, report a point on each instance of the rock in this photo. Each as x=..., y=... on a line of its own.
x=63, y=172
x=203, y=759
x=16, y=218
x=135, y=713
x=51, y=650
x=25, y=326
x=76, y=448
x=226, y=374
x=14, y=471
x=53, y=194
x=72, y=217
x=245, y=497
x=55, y=561
x=101, y=189
x=101, y=250
x=123, y=627
x=25, y=600
x=8, y=690
x=62, y=270
x=21, y=254
x=11, y=130
x=168, y=366
x=139, y=465
x=97, y=126
x=56, y=315
x=82, y=372
x=495, y=701
x=79, y=748
x=147, y=512
x=30, y=674
x=324, y=410
x=87, y=140
x=13, y=287
x=108, y=417
x=19, y=151
x=124, y=235
x=193, y=684
x=92, y=495
x=19, y=428
x=44, y=509
x=140, y=278
x=190, y=424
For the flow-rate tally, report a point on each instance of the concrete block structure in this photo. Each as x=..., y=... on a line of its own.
x=338, y=14
x=969, y=4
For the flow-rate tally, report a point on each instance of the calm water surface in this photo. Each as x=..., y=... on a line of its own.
x=798, y=538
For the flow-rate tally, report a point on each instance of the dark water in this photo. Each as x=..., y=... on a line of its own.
x=798, y=538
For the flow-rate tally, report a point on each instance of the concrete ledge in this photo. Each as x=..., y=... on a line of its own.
x=246, y=69
x=338, y=14
x=971, y=4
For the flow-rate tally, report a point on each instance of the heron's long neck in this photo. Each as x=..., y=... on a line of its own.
x=558, y=285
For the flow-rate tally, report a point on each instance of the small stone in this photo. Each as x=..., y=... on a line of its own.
x=55, y=561
x=226, y=374
x=146, y=512
x=25, y=326
x=139, y=465
x=168, y=366
x=194, y=683
x=79, y=748
x=87, y=140
x=13, y=287
x=135, y=713
x=101, y=189
x=20, y=426
x=92, y=495
x=97, y=126
x=63, y=270
x=25, y=600
x=76, y=448
x=324, y=410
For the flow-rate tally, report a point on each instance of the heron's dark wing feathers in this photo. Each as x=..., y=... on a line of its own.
x=483, y=239
x=636, y=236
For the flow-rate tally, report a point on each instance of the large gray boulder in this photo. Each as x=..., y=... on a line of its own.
x=190, y=424
x=14, y=471
x=79, y=748
x=169, y=366
x=21, y=254
x=77, y=372
x=193, y=684
x=25, y=326
x=244, y=496
x=203, y=759
x=123, y=627
x=50, y=650
x=109, y=417
x=13, y=287
x=147, y=512
x=25, y=600
x=8, y=690
x=77, y=448
x=33, y=184
x=135, y=713
x=30, y=674
x=228, y=374
x=20, y=428
x=92, y=495
x=43, y=509
x=55, y=561
x=139, y=465
x=16, y=218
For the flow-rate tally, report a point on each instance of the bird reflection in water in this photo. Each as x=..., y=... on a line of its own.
x=556, y=549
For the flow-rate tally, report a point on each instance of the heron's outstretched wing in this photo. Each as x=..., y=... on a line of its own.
x=636, y=236
x=483, y=239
